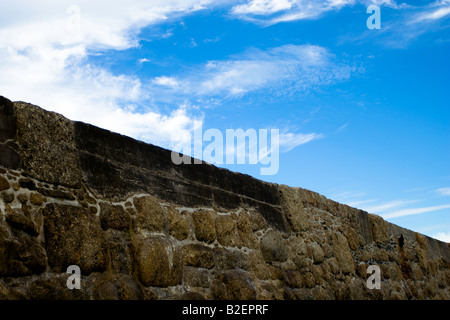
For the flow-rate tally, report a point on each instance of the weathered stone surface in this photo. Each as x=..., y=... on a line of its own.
x=293, y=207
x=17, y=219
x=225, y=259
x=298, y=253
x=196, y=255
x=22, y=198
x=178, y=226
x=36, y=198
x=233, y=285
x=379, y=230
x=69, y=193
x=49, y=289
x=245, y=231
x=114, y=217
x=204, y=226
x=226, y=231
x=364, y=226
x=352, y=237
x=56, y=193
x=293, y=278
x=342, y=253
x=196, y=277
x=7, y=120
x=20, y=253
x=316, y=252
x=143, y=168
x=42, y=138
x=9, y=155
x=5, y=294
x=8, y=197
x=258, y=221
x=273, y=247
x=4, y=184
x=189, y=296
x=117, y=287
x=27, y=183
x=120, y=256
x=149, y=214
x=73, y=236
x=159, y=262
x=258, y=266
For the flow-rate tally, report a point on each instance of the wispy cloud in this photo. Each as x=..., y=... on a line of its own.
x=289, y=141
x=165, y=81
x=436, y=11
x=389, y=209
x=414, y=211
x=269, y=12
x=141, y=61
x=342, y=128
x=359, y=203
x=443, y=236
x=444, y=191
x=412, y=22
x=285, y=69
x=347, y=196
x=381, y=208
x=274, y=11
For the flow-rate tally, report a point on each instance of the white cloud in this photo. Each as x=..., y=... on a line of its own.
x=380, y=208
x=140, y=61
x=289, y=141
x=165, y=81
x=44, y=60
x=413, y=211
x=444, y=191
x=443, y=236
x=262, y=7
x=357, y=204
x=284, y=69
x=433, y=14
x=275, y=11
x=413, y=22
x=345, y=196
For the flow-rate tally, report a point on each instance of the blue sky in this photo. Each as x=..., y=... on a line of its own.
x=363, y=114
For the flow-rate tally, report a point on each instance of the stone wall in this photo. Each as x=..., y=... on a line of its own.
x=140, y=227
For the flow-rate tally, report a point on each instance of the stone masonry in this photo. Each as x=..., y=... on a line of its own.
x=140, y=227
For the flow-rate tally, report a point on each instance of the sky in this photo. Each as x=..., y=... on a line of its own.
x=363, y=114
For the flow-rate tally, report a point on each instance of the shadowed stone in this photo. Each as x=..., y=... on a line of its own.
x=73, y=237
x=273, y=247
x=20, y=253
x=43, y=137
x=159, y=262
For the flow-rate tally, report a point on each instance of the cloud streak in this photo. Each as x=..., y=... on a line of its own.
x=381, y=208
x=288, y=69
x=443, y=191
x=414, y=211
x=443, y=236
x=412, y=22
x=269, y=12
x=275, y=11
